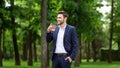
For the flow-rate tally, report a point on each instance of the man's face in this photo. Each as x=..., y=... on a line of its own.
x=60, y=19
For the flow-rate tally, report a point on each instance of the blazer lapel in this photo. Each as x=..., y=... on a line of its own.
x=66, y=31
x=56, y=32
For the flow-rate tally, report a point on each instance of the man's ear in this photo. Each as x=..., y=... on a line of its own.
x=66, y=18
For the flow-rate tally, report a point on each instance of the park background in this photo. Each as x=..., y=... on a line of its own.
x=23, y=25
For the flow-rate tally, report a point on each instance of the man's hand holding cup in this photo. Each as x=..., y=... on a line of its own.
x=51, y=27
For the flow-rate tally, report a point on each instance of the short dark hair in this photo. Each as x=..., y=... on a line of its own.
x=64, y=13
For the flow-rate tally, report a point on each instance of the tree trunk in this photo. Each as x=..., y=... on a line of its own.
x=119, y=50
x=25, y=48
x=111, y=33
x=0, y=48
x=119, y=45
x=3, y=42
x=48, y=52
x=94, y=50
x=88, y=52
x=35, y=51
x=17, y=57
x=79, y=54
x=1, y=17
x=30, y=56
x=78, y=57
x=34, y=46
x=43, y=34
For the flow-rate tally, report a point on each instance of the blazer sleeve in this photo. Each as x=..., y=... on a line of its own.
x=49, y=37
x=74, y=43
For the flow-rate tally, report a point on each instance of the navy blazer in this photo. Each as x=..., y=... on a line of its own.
x=70, y=40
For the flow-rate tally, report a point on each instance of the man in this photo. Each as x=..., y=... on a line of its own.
x=65, y=42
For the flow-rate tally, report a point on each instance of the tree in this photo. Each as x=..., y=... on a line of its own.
x=28, y=17
x=96, y=46
x=43, y=34
x=1, y=23
x=25, y=48
x=53, y=5
x=111, y=32
x=30, y=56
x=116, y=28
x=17, y=57
x=0, y=48
x=84, y=16
x=79, y=55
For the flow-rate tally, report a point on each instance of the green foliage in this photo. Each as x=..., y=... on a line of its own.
x=116, y=20
x=53, y=7
x=4, y=17
x=84, y=16
x=116, y=36
x=26, y=13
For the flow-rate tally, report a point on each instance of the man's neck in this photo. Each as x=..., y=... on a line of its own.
x=63, y=25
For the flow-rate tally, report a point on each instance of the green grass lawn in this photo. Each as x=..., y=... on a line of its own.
x=10, y=64
x=100, y=65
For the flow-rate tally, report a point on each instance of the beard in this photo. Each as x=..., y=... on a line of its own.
x=61, y=22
